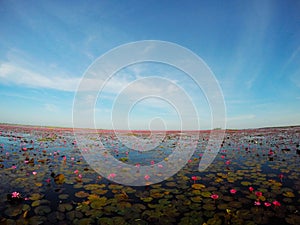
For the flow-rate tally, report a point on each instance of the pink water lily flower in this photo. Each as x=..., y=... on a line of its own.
x=257, y=203
x=267, y=204
x=34, y=173
x=214, y=196
x=138, y=165
x=251, y=189
x=15, y=194
x=276, y=203
x=111, y=176
x=76, y=171
x=233, y=191
x=147, y=177
x=14, y=167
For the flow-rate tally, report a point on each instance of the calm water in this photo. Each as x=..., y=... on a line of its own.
x=53, y=184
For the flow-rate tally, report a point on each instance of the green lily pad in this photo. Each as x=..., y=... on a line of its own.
x=65, y=207
x=246, y=183
x=13, y=211
x=209, y=207
x=63, y=196
x=42, y=210
x=289, y=194
x=81, y=194
x=87, y=221
x=35, y=196
x=206, y=194
x=147, y=199
x=196, y=199
x=198, y=186
x=99, y=203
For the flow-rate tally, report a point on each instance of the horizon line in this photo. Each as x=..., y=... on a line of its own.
x=139, y=130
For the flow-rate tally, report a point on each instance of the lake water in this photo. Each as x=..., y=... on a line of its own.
x=254, y=179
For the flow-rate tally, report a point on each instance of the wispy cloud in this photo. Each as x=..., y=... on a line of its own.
x=11, y=73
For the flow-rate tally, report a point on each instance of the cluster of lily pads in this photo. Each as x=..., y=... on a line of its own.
x=255, y=179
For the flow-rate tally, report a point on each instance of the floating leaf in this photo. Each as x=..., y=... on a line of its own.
x=198, y=186
x=35, y=196
x=65, y=207
x=92, y=186
x=99, y=203
x=246, y=183
x=209, y=207
x=36, y=203
x=42, y=210
x=86, y=221
x=63, y=196
x=13, y=211
x=196, y=199
x=81, y=194
x=38, y=184
x=289, y=194
x=59, y=179
x=147, y=199
x=206, y=194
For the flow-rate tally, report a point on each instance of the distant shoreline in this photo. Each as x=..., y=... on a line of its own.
x=136, y=130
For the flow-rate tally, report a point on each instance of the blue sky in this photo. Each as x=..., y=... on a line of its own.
x=252, y=47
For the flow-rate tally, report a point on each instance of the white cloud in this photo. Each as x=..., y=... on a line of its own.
x=16, y=74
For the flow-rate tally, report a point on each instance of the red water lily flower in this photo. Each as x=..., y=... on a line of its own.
x=276, y=203
x=214, y=196
x=194, y=178
x=251, y=189
x=258, y=194
x=233, y=191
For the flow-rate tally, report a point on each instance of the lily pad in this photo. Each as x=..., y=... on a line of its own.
x=42, y=210
x=198, y=186
x=35, y=196
x=99, y=203
x=65, y=207
x=196, y=199
x=289, y=194
x=209, y=207
x=59, y=179
x=63, y=196
x=81, y=194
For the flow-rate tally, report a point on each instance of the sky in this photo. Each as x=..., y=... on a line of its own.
x=251, y=47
